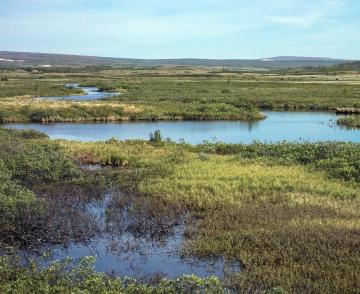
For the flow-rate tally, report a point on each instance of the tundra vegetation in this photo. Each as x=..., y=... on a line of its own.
x=288, y=212
x=172, y=93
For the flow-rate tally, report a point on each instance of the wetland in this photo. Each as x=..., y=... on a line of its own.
x=256, y=189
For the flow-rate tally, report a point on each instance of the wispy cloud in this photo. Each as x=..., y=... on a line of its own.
x=309, y=13
x=177, y=28
x=305, y=21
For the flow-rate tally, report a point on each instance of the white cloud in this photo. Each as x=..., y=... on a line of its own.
x=308, y=13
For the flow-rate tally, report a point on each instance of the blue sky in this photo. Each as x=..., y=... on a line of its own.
x=183, y=28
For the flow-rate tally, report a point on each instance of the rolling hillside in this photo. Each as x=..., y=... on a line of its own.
x=24, y=59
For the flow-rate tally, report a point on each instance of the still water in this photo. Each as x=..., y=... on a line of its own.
x=131, y=244
x=90, y=93
x=278, y=126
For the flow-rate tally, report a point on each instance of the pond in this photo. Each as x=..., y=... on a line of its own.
x=90, y=93
x=278, y=126
x=129, y=244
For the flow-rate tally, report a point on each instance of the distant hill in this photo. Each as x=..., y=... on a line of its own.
x=350, y=66
x=25, y=59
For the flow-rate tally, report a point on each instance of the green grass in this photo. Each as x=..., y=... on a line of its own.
x=268, y=216
x=36, y=88
x=22, y=109
x=339, y=160
x=254, y=91
x=30, y=164
x=201, y=94
x=288, y=212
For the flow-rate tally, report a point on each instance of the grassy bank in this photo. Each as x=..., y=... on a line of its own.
x=25, y=109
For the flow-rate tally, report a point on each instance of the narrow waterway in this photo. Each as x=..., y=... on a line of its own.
x=90, y=93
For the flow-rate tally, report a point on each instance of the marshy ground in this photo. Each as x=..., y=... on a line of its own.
x=285, y=216
x=172, y=93
x=287, y=213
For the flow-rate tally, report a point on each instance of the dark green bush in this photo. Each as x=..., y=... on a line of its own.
x=340, y=160
x=155, y=137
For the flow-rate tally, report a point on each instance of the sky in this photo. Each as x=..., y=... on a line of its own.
x=222, y=29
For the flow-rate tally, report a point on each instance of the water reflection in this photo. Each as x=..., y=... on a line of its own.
x=128, y=242
x=278, y=126
x=91, y=93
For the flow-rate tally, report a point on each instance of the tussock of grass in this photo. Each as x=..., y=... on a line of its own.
x=351, y=122
x=123, y=153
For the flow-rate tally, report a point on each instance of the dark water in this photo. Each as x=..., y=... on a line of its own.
x=121, y=251
x=91, y=93
x=278, y=126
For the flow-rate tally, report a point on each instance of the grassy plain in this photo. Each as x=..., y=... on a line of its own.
x=169, y=93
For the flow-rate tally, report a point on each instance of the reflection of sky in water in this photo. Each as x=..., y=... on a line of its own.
x=278, y=126
x=122, y=253
x=91, y=93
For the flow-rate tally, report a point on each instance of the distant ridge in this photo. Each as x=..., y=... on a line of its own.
x=301, y=58
x=24, y=59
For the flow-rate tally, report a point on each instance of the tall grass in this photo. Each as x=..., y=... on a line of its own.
x=23, y=109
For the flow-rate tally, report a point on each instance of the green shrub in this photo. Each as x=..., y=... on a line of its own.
x=155, y=137
x=340, y=160
x=80, y=277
